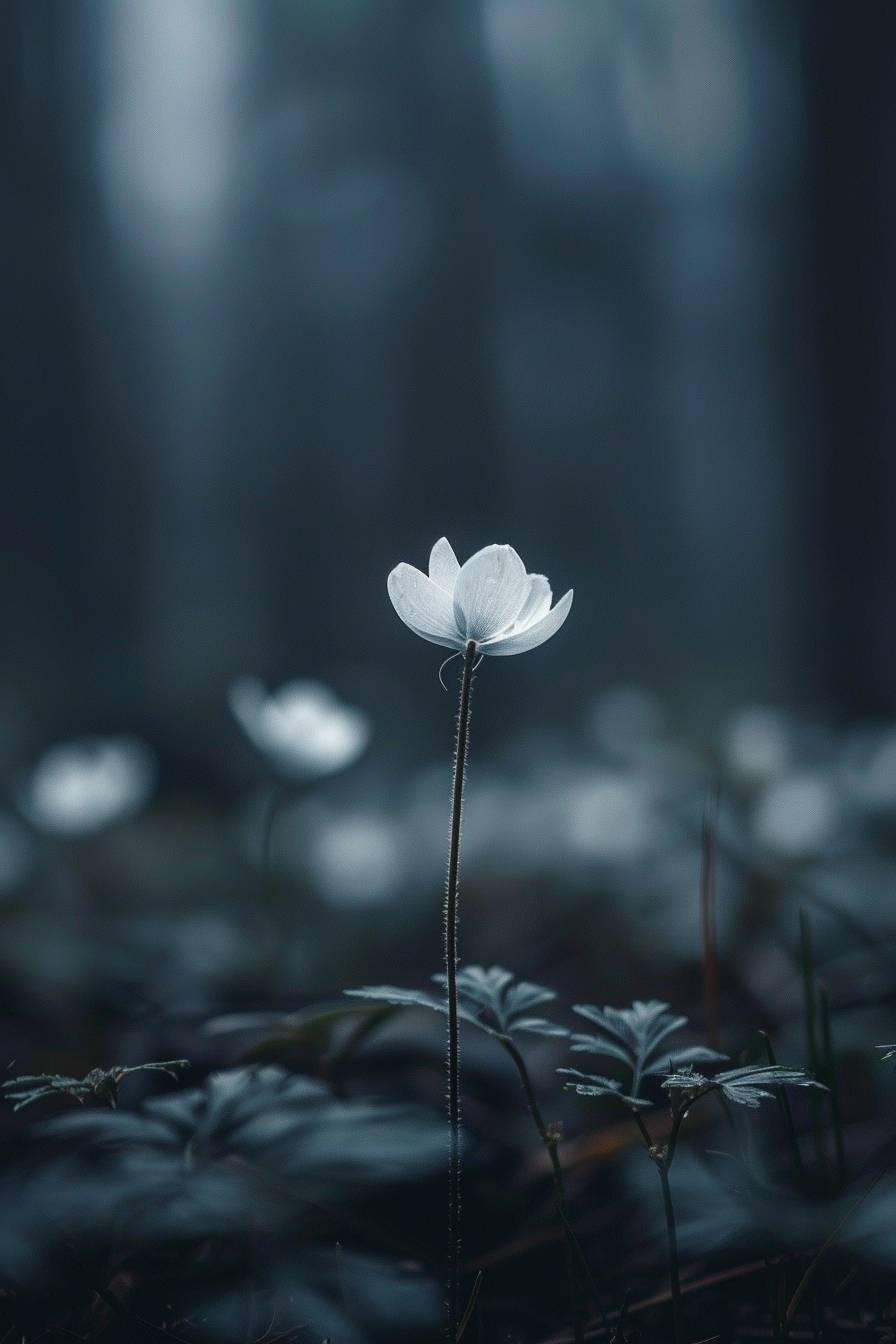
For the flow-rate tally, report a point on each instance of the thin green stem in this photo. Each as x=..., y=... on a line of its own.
x=793, y=1142
x=663, y=1158
x=645, y=1132
x=574, y=1252
x=830, y=1077
x=672, y=1236
x=279, y=796
x=809, y=1000
x=708, y=918
x=451, y=923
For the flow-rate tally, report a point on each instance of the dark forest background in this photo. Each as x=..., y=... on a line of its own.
x=294, y=288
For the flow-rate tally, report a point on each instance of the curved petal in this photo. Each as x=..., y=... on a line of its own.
x=490, y=591
x=423, y=606
x=444, y=566
x=536, y=605
x=534, y=635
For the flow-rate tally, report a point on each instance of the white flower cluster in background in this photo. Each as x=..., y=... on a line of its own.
x=81, y=787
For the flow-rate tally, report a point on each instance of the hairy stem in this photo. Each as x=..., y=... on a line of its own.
x=574, y=1253
x=451, y=921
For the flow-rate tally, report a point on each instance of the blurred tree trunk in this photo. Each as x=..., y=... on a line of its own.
x=849, y=66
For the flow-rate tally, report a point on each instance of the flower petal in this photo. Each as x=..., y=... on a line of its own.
x=490, y=591
x=536, y=605
x=444, y=566
x=533, y=635
x=424, y=607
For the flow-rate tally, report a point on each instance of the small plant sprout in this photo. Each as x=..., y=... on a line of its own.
x=488, y=605
x=637, y=1038
x=490, y=1000
x=82, y=787
x=100, y=1085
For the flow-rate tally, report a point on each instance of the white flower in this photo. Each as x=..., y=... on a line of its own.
x=84, y=786
x=303, y=729
x=798, y=816
x=490, y=599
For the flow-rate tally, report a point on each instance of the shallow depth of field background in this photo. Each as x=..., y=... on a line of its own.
x=295, y=288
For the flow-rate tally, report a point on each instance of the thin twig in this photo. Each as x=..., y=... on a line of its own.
x=830, y=1077
x=574, y=1252
x=708, y=918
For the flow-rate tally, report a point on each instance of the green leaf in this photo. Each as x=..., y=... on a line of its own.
x=635, y=1037
x=746, y=1086
x=487, y=998
x=596, y=1085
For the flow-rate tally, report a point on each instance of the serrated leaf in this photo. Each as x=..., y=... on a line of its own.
x=600, y=1045
x=540, y=1026
x=487, y=997
x=411, y=998
x=745, y=1086
x=523, y=997
x=688, y=1054
x=596, y=1085
x=635, y=1037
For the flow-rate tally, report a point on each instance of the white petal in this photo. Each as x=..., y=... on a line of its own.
x=536, y=605
x=533, y=635
x=423, y=606
x=490, y=591
x=444, y=566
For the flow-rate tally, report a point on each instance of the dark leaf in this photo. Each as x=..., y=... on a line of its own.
x=746, y=1086
x=596, y=1085
x=635, y=1037
x=488, y=998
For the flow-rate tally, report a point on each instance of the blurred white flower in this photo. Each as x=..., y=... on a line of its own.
x=611, y=818
x=357, y=858
x=490, y=599
x=81, y=787
x=758, y=744
x=303, y=729
x=798, y=816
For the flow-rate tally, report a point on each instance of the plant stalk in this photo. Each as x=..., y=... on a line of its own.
x=662, y=1159
x=672, y=1236
x=796, y=1158
x=830, y=1074
x=574, y=1253
x=708, y=920
x=451, y=923
x=278, y=799
x=810, y=991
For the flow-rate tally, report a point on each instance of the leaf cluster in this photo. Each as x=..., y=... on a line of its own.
x=636, y=1037
x=98, y=1085
x=488, y=998
x=746, y=1086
